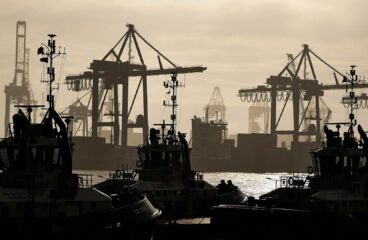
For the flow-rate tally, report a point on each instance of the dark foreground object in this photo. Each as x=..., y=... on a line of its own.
x=126, y=232
x=235, y=222
x=241, y=222
x=238, y=222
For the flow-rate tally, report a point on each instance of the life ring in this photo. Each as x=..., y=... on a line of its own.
x=290, y=181
x=310, y=170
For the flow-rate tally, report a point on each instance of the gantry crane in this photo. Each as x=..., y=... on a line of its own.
x=19, y=91
x=309, y=113
x=256, y=111
x=293, y=87
x=216, y=107
x=215, y=113
x=113, y=71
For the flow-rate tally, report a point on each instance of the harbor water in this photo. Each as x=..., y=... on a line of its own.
x=251, y=184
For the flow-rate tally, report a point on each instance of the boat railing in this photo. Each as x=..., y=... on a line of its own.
x=198, y=176
x=85, y=180
x=127, y=175
x=294, y=181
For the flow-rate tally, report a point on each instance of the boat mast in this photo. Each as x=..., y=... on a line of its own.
x=173, y=85
x=351, y=100
x=48, y=57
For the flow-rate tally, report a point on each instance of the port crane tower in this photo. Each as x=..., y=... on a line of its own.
x=288, y=85
x=114, y=71
x=18, y=92
x=216, y=107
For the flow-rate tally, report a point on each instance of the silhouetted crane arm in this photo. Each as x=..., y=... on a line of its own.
x=262, y=88
x=339, y=87
x=178, y=70
x=149, y=72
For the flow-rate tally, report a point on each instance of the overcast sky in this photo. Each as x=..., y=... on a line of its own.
x=240, y=42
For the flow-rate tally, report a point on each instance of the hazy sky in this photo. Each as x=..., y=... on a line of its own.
x=241, y=43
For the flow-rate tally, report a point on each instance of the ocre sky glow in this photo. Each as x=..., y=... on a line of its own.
x=241, y=43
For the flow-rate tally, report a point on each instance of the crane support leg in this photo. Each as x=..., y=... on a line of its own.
x=318, y=120
x=7, y=113
x=296, y=99
x=124, y=116
x=94, y=104
x=116, y=114
x=273, y=109
x=145, y=108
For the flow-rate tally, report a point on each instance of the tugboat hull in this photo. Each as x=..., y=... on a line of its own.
x=240, y=222
x=98, y=225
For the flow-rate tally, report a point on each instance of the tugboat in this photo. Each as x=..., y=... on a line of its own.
x=165, y=175
x=338, y=180
x=41, y=196
x=341, y=168
x=331, y=201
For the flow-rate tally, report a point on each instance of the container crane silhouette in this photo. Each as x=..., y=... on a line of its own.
x=18, y=92
x=288, y=85
x=115, y=70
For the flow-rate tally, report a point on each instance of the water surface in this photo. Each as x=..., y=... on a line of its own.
x=251, y=184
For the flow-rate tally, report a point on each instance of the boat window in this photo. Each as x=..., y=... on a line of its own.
x=4, y=158
x=337, y=159
x=49, y=155
x=167, y=159
x=345, y=161
x=162, y=161
x=16, y=158
x=56, y=156
x=181, y=158
x=153, y=159
x=142, y=156
x=363, y=162
x=34, y=152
